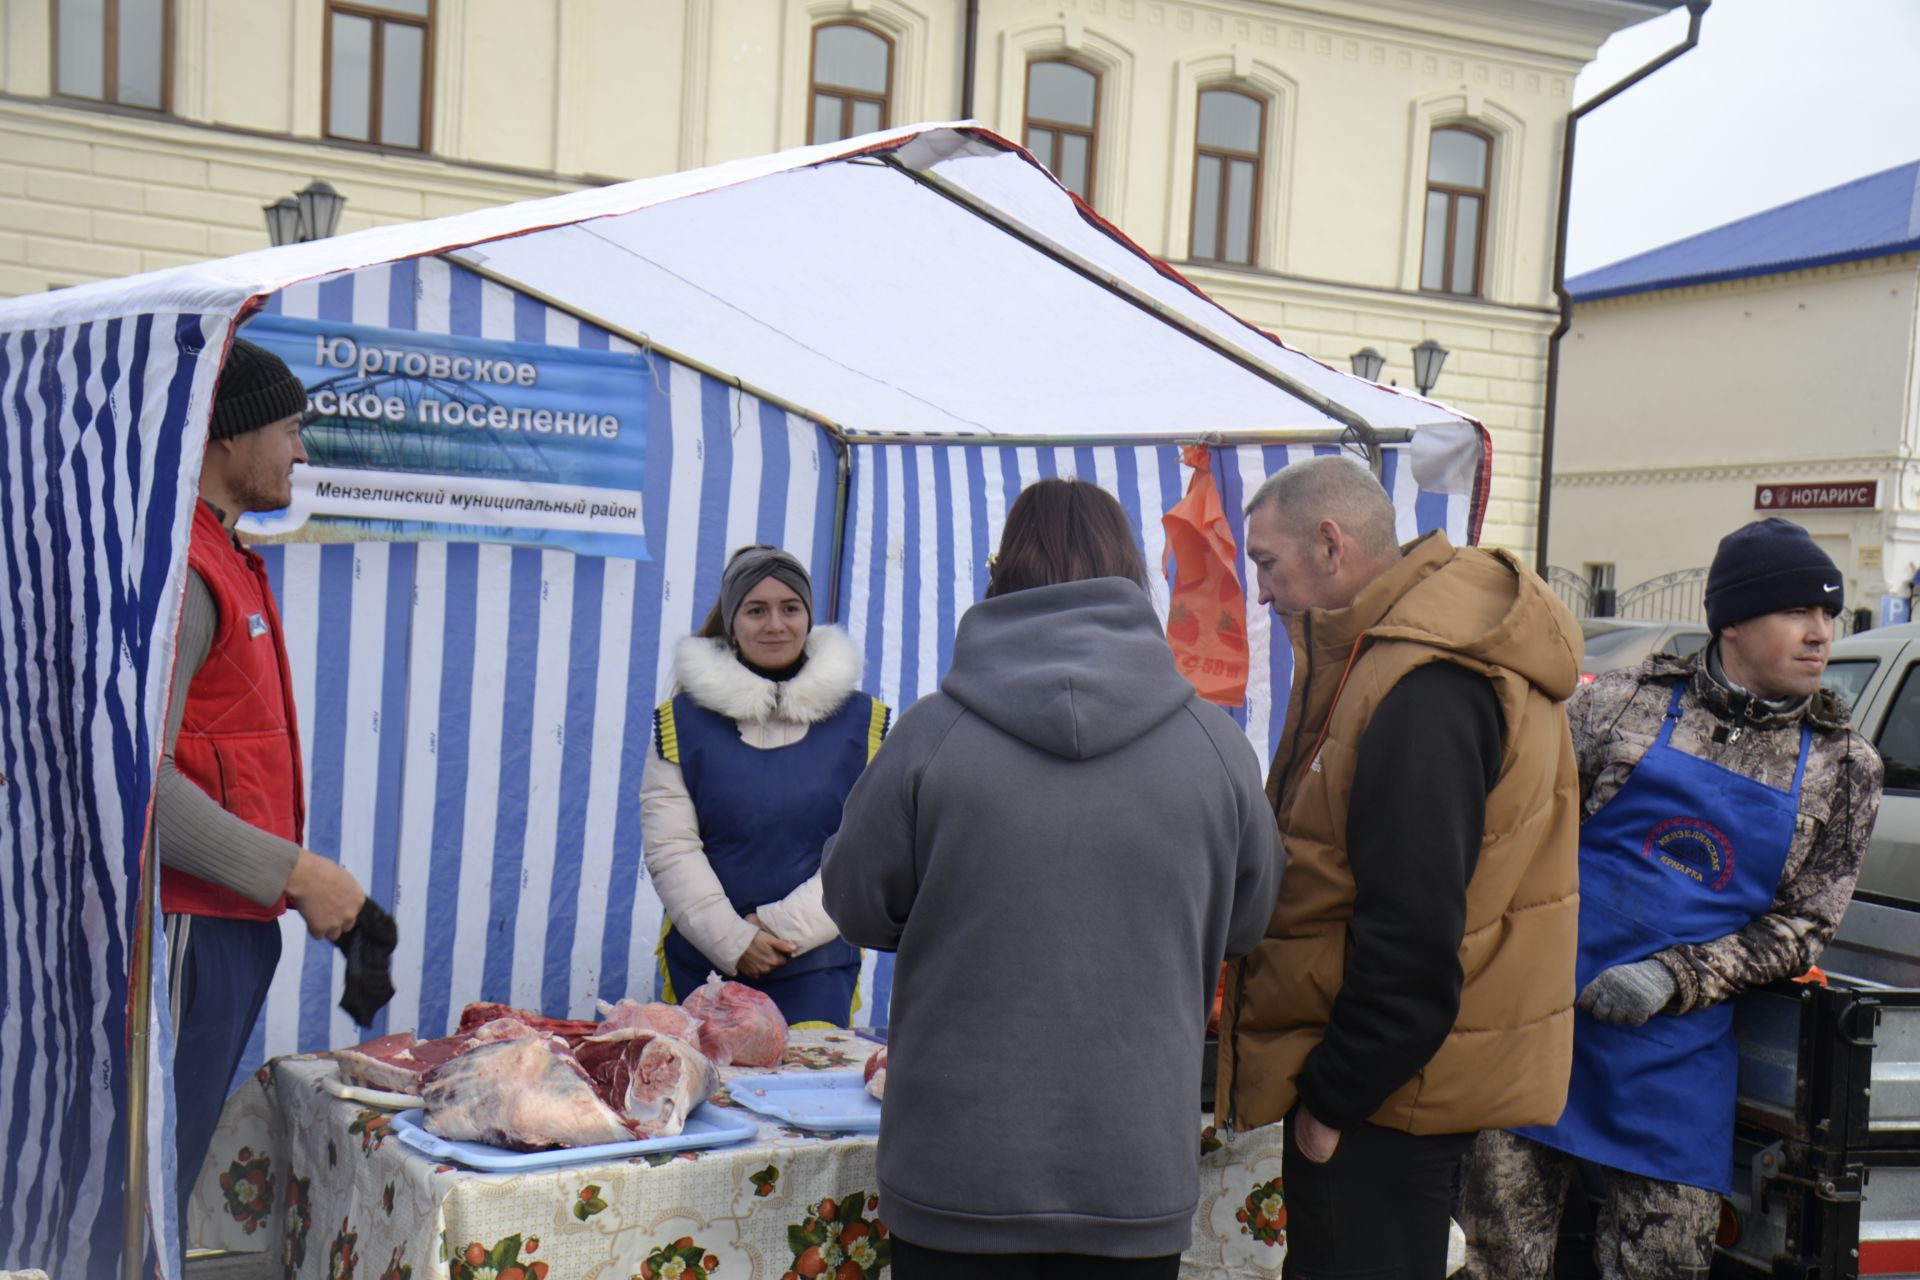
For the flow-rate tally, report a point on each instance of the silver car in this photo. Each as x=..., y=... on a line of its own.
x=1876, y=671
x=1614, y=643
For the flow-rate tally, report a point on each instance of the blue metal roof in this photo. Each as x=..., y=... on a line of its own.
x=1869, y=217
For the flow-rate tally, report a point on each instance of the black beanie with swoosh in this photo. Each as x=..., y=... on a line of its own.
x=1767, y=566
x=255, y=388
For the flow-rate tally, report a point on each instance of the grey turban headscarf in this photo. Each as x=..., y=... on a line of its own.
x=753, y=566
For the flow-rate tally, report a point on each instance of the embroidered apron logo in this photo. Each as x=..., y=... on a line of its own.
x=1692, y=848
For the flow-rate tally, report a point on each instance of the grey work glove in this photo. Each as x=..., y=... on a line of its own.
x=1628, y=994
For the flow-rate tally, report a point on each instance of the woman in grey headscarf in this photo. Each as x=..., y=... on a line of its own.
x=752, y=758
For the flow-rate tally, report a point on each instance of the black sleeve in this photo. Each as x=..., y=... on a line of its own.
x=1415, y=821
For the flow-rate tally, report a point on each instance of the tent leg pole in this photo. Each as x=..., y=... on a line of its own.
x=842, y=487
x=133, y=1233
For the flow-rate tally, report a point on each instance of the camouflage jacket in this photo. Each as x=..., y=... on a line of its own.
x=1617, y=717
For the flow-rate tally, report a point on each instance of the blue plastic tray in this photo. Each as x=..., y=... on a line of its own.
x=708, y=1126
x=836, y=1100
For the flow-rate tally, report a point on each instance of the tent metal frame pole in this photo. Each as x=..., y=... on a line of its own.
x=645, y=343
x=842, y=495
x=1363, y=432
x=133, y=1213
x=1306, y=435
x=837, y=434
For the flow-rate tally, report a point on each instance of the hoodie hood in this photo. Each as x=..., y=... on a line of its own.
x=1077, y=670
x=1483, y=605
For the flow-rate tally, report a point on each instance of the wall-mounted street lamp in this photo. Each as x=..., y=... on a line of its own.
x=1427, y=359
x=311, y=215
x=1367, y=364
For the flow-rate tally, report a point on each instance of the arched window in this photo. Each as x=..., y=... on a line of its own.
x=1226, y=176
x=852, y=82
x=1456, y=228
x=1063, y=102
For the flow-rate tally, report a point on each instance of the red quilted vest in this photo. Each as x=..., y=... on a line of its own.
x=238, y=737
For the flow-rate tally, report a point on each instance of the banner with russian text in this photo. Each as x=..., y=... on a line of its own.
x=414, y=436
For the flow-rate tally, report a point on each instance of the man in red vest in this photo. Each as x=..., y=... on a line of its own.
x=229, y=804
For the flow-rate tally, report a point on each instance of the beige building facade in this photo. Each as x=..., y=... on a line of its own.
x=1344, y=173
x=1688, y=411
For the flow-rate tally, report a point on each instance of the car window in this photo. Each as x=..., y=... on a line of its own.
x=1602, y=643
x=1848, y=676
x=1900, y=736
x=1687, y=643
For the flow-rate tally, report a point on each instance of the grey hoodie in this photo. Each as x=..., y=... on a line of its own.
x=1062, y=845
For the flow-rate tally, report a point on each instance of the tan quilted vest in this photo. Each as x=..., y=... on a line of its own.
x=1507, y=1060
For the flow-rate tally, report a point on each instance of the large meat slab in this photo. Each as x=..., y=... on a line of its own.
x=653, y=1080
x=522, y=1095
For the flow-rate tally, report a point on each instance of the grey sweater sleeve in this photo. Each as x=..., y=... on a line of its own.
x=1261, y=857
x=196, y=835
x=870, y=869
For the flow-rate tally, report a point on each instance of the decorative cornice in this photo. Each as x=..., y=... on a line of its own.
x=1783, y=279
x=1780, y=471
x=1380, y=33
x=1270, y=286
x=169, y=135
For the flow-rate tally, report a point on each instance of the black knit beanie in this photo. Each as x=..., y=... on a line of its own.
x=1767, y=566
x=255, y=388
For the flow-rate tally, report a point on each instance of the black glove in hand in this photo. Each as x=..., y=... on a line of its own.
x=369, y=950
x=1628, y=994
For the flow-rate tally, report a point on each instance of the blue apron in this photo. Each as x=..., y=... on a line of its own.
x=764, y=817
x=1658, y=1100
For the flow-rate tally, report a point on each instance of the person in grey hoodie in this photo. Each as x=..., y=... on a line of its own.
x=1062, y=845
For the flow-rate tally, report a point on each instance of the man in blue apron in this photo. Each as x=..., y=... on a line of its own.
x=1726, y=807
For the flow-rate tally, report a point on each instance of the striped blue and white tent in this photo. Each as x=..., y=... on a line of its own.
x=854, y=350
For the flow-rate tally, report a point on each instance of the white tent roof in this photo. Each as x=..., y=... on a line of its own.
x=927, y=280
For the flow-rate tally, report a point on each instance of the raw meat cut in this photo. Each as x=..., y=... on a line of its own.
x=523, y=1095
x=668, y=1019
x=483, y=1011
x=499, y=1029
x=875, y=1073
x=397, y=1062
x=386, y=1063
x=652, y=1079
x=738, y=1025
x=428, y=1054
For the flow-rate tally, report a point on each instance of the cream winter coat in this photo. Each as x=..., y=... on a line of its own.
x=769, y=715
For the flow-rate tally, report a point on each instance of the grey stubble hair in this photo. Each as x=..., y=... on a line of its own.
x=1337, y=488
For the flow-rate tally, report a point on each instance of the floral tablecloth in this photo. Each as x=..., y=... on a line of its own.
x=324, y=1186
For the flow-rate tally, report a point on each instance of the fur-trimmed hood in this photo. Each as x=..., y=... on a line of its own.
x=711, y=673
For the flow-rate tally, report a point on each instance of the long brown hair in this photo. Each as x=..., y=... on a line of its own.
x=1065, y=531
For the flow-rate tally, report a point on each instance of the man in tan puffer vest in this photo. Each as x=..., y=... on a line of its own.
x=1416, y=982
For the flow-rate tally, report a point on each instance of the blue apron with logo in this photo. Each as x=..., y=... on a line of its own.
x=1685, y=852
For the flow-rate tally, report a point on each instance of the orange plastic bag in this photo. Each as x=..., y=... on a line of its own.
x=1207, y=611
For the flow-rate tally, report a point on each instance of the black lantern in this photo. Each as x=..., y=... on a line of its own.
x=1427, y=359
x=1367, y=364
x=283, y=221
x=319, y=210
x=310, y=215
